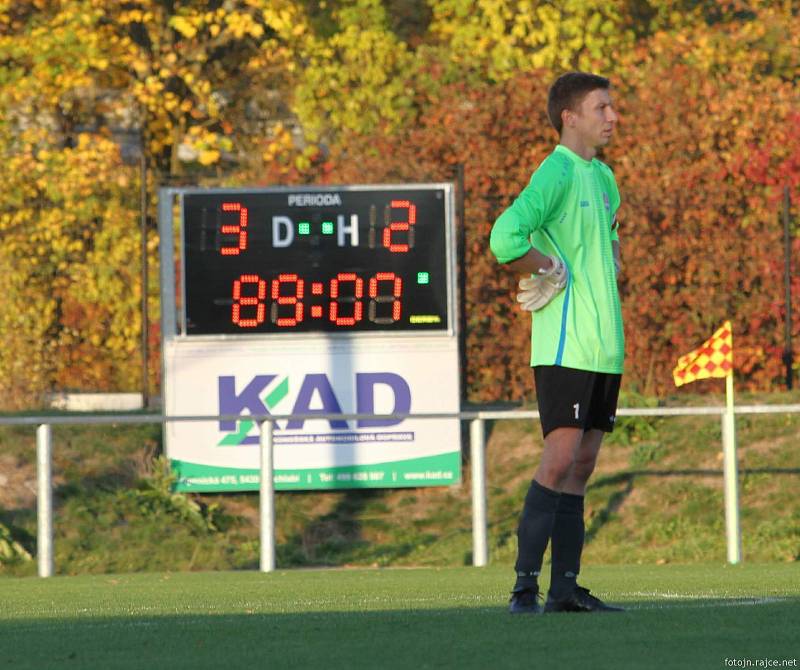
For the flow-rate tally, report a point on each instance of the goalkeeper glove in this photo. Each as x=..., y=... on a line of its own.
x=536, y=291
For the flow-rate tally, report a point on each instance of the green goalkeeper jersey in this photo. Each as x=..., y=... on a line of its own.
x=567, y=210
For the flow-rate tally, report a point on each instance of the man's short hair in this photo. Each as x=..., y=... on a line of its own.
x=568, y=92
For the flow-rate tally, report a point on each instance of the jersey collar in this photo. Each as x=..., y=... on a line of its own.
x=578, y=160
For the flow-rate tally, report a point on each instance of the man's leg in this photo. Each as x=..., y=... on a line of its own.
x=568, y=528
x=564, y=398
x=568, y=532
x=541, y=502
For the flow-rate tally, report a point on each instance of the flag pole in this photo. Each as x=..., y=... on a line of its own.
x=730, y=469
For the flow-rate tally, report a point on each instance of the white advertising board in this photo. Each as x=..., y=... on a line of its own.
x=309, y=376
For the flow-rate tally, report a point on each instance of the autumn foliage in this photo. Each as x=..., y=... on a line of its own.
x=261, y=92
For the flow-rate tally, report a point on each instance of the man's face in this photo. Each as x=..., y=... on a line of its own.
x=595, y=119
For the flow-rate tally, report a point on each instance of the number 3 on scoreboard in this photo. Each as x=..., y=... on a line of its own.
x=239, y=229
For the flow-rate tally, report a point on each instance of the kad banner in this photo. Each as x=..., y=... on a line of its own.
x=314, y=377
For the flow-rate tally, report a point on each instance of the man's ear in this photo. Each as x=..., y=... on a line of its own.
x=567, y=118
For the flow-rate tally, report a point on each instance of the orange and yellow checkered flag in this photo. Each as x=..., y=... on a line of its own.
x=713, y=359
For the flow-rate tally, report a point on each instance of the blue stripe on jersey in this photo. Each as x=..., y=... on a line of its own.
x=562, y=338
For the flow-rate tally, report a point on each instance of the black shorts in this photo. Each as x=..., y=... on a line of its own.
x=570, y=398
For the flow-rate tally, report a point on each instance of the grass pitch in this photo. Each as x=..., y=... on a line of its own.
x=691, y=616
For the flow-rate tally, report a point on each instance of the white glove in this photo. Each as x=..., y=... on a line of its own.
x=536, y=291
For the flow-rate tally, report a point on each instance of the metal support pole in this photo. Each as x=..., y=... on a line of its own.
x=44, y=502
x=166, y=252
x=788, y=354
x=267, y=499
x=143, y=242
x=461, y=263
x=731, y=473
x=480, y=547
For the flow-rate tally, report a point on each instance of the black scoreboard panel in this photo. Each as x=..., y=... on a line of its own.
x=352, y=260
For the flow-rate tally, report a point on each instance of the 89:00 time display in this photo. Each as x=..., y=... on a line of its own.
x=289, y=294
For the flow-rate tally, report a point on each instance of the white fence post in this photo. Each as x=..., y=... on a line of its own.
x=44, y=500
x=267, y=498
x=477, y=442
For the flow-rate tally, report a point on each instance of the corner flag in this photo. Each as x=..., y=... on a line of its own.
x=714, y=358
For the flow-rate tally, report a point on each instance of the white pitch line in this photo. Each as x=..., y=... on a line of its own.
x=688, y=604
x=121, y=623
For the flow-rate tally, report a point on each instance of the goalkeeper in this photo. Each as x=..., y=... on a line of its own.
x=561, y=233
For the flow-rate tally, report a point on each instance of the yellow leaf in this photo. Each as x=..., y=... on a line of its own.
x=183, y=26
x=209, y=157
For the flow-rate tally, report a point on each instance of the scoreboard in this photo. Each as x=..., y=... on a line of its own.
x=310, y=300
x=345, y=261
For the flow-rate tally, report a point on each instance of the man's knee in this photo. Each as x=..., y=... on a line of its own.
x=555, y=469
x=586, y=455
x=552, y=475
x=582, y=471
x=561, y=446
x=583, y=466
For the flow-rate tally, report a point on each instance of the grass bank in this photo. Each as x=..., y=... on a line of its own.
x=656, y=498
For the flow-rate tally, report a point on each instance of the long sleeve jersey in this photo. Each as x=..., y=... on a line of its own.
x=567, y=210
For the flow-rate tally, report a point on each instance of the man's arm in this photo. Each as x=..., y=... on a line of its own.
x=510, y=237
x=533, y=262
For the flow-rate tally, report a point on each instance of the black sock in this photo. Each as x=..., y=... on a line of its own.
x=567, y=545
x=533, y=533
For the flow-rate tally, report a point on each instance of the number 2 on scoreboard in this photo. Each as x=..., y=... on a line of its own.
x=388, y=239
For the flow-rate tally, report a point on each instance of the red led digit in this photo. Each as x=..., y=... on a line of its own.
x=256, y=300
x=358, y=293
x=394, y=298
x=407, y=225
x=239, y=229
x=296, y=300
